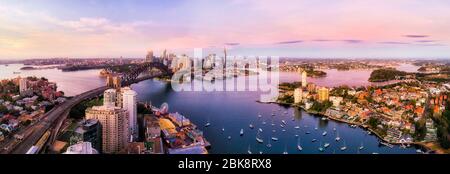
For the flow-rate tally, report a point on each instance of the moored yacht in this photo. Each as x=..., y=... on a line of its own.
x=337, y=137
x=343, y=148
x=361, y=147
x=299, y=147
x=321, y=149
x=258, y=139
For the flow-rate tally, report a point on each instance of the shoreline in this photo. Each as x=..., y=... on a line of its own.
x=428, y=146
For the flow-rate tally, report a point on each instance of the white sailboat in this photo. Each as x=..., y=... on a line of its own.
x=260, y=130
x=343, y=148
x=251, y=126
x=321, y=149
x=324, y=133
x=258, y=139
x=207, y=123
x=362, y=146
x=299, y=147
x=274, y=139
x=337, y=136
x=285, y=150
x=249, y=151
x=326, y=145
x=242, y=132
x=269, y=145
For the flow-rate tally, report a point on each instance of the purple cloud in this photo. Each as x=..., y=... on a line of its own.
x=232, y=44
x=425, y=41
x=394, y=43
x=352, y=41
x=289, y=42
x=322, y=40
x=416, y=36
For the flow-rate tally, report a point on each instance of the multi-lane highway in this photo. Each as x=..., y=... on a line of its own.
x=53, y=118
x=49, y=120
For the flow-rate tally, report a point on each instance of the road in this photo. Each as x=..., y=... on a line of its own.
x=32, y=134
x=51, y=119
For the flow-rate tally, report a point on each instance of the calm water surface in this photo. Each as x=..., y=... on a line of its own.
x=234, y=111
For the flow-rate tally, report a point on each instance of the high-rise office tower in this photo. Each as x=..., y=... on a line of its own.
x=323, y=94
x=113, y=121
x=225, y=55
x=130, y=105
x=90, y=131
x=298, y=94
x=23, y=86
x=109, y=98
x=164, y=55
x=304, y=76
x=149, y=57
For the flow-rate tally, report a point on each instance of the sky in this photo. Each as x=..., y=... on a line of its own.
x=288, y=28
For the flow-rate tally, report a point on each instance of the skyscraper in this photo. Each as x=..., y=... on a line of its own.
x=323, y=94
x=298, y=93
x=129, y=104
x=149, y=57
x=164, y=55
x=113, y=121
x=225, y=58
x=109, y=98
x=304, y=76
x=90, y=131
x=23, y=86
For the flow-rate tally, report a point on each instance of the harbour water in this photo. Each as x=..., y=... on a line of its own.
x=233, y=111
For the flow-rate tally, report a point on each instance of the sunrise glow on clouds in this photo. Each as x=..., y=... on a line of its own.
x=294, y=28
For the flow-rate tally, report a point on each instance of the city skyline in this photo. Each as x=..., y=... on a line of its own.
x=332, y=29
